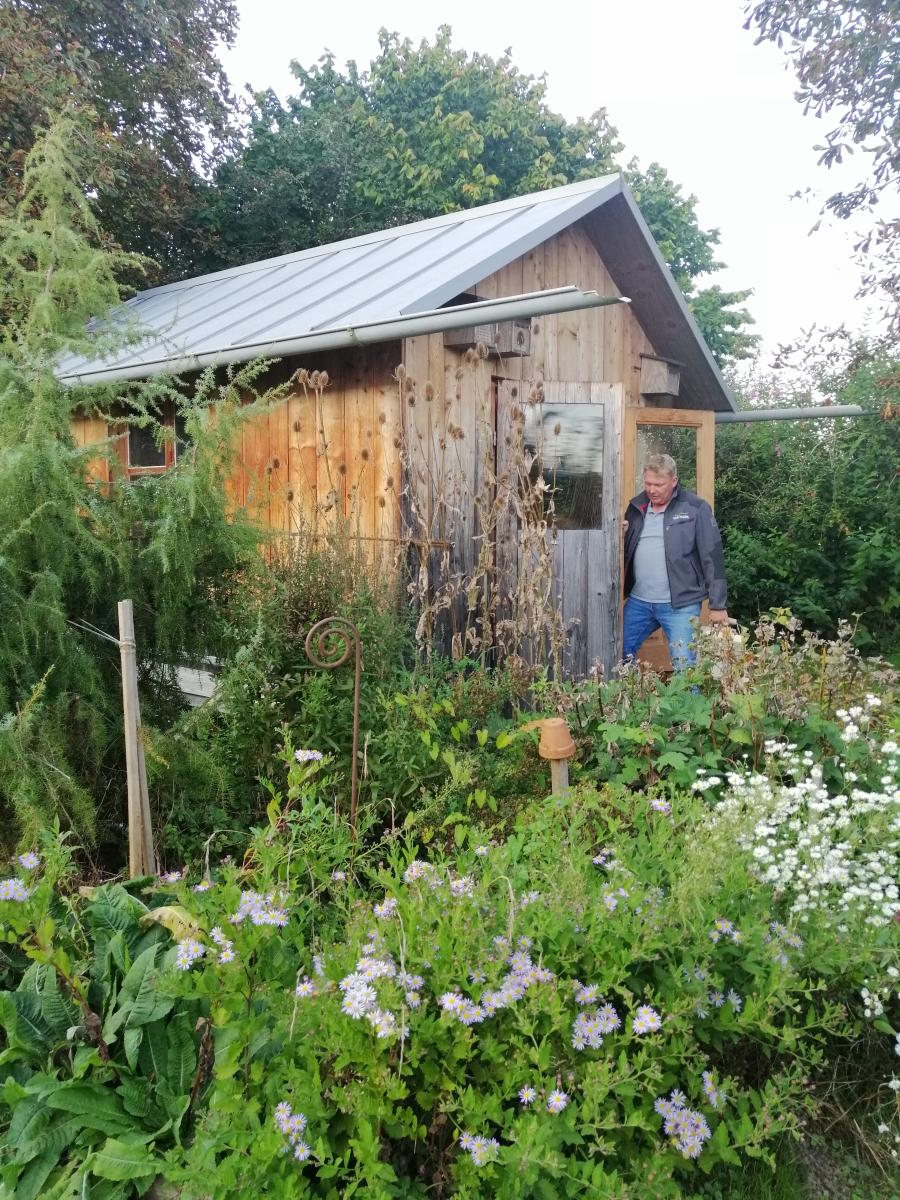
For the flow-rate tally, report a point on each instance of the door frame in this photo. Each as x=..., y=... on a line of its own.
x=655, y=650
x=705, y=424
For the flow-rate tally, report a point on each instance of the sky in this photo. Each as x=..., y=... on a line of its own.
x=685, y=86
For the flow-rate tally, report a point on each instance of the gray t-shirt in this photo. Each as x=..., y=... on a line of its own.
x=651, y=579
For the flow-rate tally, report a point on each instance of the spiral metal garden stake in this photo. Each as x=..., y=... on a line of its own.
x=328, y=645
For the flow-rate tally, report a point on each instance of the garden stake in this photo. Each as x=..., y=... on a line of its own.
x=556, y=745
x=140, y=830
x=321, y=654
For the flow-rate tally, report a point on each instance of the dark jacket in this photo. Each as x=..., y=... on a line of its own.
x=694, y=560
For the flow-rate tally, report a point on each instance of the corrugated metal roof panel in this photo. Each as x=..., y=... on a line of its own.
x=231, y=315
x=389, y=273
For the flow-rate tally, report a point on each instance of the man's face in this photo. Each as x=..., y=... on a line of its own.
x=659, y=487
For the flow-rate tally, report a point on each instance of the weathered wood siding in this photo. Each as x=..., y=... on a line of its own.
x=599, y=345
x=317, y=454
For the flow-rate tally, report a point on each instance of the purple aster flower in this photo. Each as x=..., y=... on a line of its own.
x=608, y=1019
x=15, y=890
x=734, y=1000
x=29, y=860
x=527, y=1094
x=646, y=1020
x=587, y=993
x=482, y=851
x=556, y=1101
x=307, y=756
x=189, y=951
x=306, y=988
x=386, y=908
x=661, y=806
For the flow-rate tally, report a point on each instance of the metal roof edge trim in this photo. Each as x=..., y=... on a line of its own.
x=531, y=304
x=677, y=294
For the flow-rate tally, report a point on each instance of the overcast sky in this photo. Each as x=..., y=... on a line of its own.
x=685, y=86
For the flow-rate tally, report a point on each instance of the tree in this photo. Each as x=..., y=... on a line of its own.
x=148, y=69
x=846, y=54
x=70, y=546
x=426, y=130
x=807, y=507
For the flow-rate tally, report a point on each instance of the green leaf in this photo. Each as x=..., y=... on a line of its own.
x=154, y=1054
x=139, y=987
x=132, y=1043
x=182, y=1054
x=24, y=1022
x=30, y=1184
x=59, y=1010
x=120, y=1160
x=97, y=1106
x=55, y=1137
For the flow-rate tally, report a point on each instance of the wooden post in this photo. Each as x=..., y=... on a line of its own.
x=141, y=859
x=559, y=776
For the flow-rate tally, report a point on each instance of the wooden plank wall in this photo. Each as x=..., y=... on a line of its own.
x=88, y=431
x=315, y=455
x=600, y=345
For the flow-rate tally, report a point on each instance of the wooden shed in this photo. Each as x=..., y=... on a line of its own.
x=539, y=341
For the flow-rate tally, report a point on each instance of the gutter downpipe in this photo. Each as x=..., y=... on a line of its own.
x=531, y=304
x=824, y=411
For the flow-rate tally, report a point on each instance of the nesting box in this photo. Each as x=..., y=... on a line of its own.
x=660, y=377
x=503, y=339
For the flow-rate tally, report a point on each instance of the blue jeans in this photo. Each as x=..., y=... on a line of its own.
x=641, y=618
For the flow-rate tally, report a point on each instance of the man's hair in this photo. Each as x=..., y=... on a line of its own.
x=661, y=462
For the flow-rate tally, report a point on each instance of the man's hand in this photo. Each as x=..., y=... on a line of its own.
x=718, y=616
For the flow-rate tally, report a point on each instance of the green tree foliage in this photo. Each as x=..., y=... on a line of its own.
x=429, y=129
x=71, y=547
x=150, y=72
x=847, y=57
x=808, y=512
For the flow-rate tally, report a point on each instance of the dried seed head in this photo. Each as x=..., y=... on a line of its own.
x=400, y=373
x=481, y=351
x=301, y=377
x=323, y=379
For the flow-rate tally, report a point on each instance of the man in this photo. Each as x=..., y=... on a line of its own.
x=673, y=561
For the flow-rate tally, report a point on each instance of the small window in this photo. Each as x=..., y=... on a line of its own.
x=567, y=442
x=182, y=441
x=143, y=449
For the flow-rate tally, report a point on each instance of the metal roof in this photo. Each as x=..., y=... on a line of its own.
x=315, y=298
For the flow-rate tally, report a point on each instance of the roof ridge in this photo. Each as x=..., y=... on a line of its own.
x=479, y=211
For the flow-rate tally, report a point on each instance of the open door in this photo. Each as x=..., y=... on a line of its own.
x=689, y=436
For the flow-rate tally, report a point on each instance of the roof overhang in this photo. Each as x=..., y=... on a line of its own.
x=632, y=257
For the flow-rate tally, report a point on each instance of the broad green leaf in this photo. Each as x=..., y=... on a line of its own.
x=119, y=1160
x=182, y=1055
x=30, y=1184
x=139, y=988
x=154, y=1053
x=132, y=1043
x=55, y=1137
x=29, y=1119
x=58, y=1009
x=24, y=1022
x=97, y=1106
